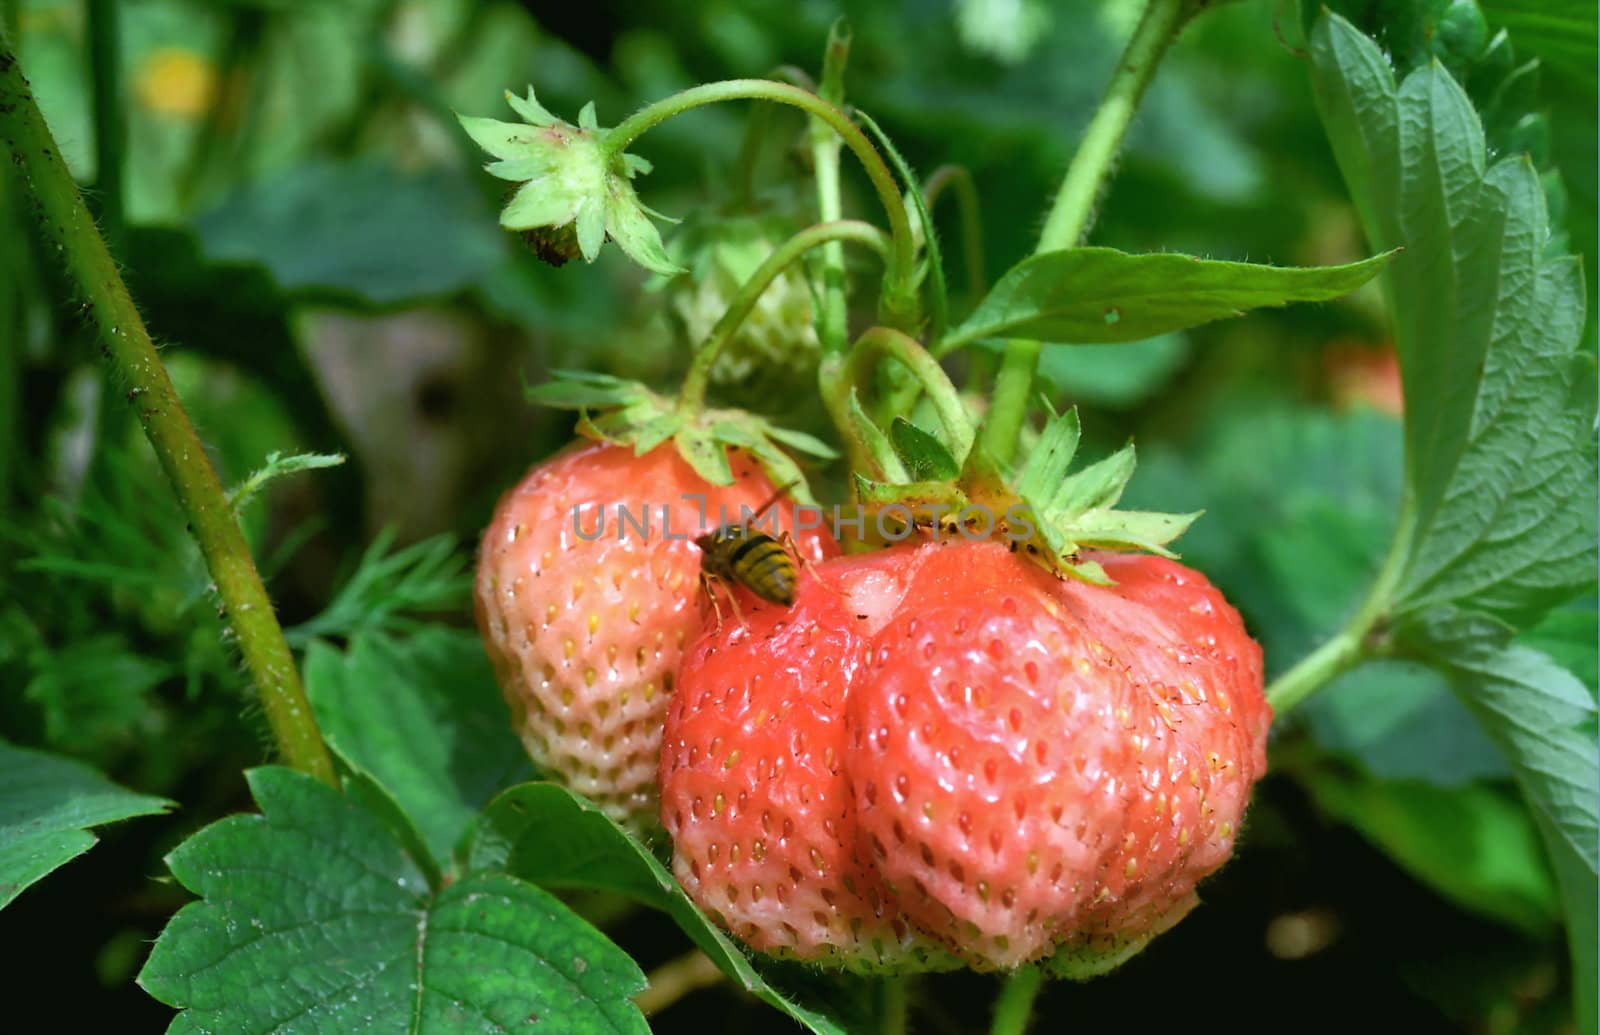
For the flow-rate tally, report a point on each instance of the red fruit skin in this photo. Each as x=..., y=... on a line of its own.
x=586, y=633
x=1040, y=769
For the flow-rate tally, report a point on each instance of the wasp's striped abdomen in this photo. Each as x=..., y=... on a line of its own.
x=752, y=559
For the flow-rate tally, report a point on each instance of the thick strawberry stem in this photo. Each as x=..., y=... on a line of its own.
x=691, y=397
x=1013, y=390
x=900, y=281
x=1081, y=188
x=132, y=363
x=1015, y=1005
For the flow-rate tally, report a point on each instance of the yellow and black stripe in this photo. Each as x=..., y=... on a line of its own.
x=752, y=559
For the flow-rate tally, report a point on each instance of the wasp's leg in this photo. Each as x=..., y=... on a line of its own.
x=786, y=541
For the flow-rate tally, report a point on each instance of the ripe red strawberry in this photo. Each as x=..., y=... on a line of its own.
x=585, y=633
x=1036, y=769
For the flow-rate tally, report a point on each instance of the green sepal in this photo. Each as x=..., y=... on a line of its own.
x=571, y=181
x=622, y=412
x=923, y=454
x=1040, y=510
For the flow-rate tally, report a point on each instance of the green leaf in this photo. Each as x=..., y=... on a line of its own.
x=1476, y=845
x=1543, y=718
x=1567, y=634
x=312, y=918
x=362, y=230
x=47, y=804
x=1500, y=451
x=925, y=457
x=423, y=717
x=1088, y=295
x=543, y=833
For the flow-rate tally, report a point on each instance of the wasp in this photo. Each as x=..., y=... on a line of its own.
x=750, y=558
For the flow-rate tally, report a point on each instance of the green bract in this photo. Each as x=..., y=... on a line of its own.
x=570, y=180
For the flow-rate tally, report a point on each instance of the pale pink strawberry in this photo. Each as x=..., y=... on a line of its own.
x=585, y=630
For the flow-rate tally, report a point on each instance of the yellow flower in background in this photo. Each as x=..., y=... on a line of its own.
x=176, y=81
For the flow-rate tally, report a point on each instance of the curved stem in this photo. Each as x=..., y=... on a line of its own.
x=691, y=397
x=1014, y=1008
x=131, y=358
x=886, y=341
x=959, y=178
x=903, y=261
x=1351, y=645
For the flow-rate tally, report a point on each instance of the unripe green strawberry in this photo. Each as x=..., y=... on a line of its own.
x=585, y=630
x=777, y=342
x=1039, y=770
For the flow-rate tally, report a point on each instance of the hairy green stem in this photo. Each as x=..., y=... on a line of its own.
x=959, y=179
x=691, y=397
x=902, y=264
x=1352, y=644
x=1014, y=1008
x=131, y=357
x=1013, y=391
x=1081, y=187
x=886, y=341
x=833, y=329
x=1074, y=209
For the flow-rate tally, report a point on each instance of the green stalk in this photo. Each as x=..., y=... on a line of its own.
x=1008, y=406
x=131, y=359
x=1015, y=1005
x=899, y=283
x=896, y=1005
x=1353, y=644
x=886, y=341
x=691, y=397
x=833, y=325
x=1074, y=209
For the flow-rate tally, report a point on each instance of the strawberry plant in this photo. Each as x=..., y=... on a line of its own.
x=826, y=634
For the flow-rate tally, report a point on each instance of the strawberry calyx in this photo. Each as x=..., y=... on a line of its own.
x=576, y=192
x=623, y=412
x=1040, y=509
